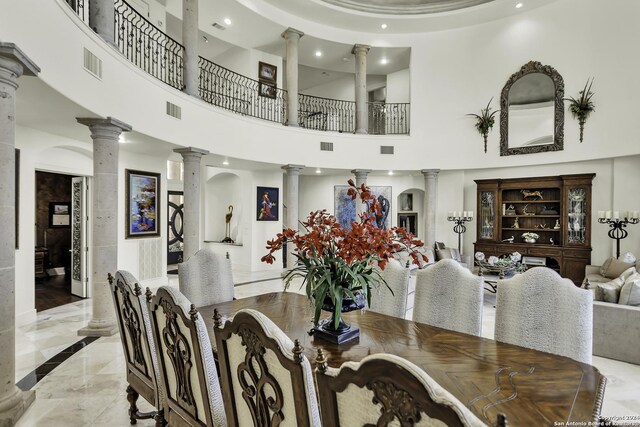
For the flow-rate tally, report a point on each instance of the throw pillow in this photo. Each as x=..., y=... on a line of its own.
x=613, y=268
x=455, y=254
x=443, y=254
x=627, y=257
x=630, y=292
x=610, y=291
x=440, y=245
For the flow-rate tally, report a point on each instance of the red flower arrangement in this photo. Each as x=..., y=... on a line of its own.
x=336, y=262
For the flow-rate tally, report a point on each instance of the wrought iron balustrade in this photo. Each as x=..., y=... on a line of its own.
x=388, y=119
x=147, y=46
x=80, y=8
x=326, y=114
x=232, y=91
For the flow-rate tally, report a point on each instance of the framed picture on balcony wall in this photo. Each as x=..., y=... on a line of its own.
x=142, y=204
x=267, y=73
x=267, y=203
x=267, y=90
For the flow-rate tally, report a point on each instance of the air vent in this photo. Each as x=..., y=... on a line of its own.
x=326, y=146
x=92, y=63
x=174, y=110
x=386, y=149
x=218, y=26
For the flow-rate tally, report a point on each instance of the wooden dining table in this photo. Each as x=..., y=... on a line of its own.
x=530, y=387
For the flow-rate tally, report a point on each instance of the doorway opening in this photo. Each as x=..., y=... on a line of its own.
x=53, y=240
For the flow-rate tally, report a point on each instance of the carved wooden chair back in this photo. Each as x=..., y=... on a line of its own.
x=139, y=347
x=384, y=301
x=384, y=389
x=539, y=309
x=449, y=296
x=266, y=380
x=187, y=366
x=206, y=278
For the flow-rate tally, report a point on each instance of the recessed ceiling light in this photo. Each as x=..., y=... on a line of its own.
x=227, y=21
x=384, y=61
x=318, y=170
x=121, y=139
x=390, y=172
x=346, y=59
x=383, y=26
x=518, y=5
x=225, y=162
x=318, y=53
x=206, y=40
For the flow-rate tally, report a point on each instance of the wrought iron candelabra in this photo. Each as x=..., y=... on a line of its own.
x=459, y=218
x=618, y=225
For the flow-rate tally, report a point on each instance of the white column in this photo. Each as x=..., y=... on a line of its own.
x=102, y=19
x=291, y=38
x=192, y=158
x=362, y=117
x=291, y=201
x=190, y=40
x=430, y=205
x=13, y=64
x=361, y=178
x=104, y=222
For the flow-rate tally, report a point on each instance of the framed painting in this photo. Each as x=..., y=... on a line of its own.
x=142, y=204
x=267, y=204
x=59, y=214
x=408, y=221
x=267, y=73
x=345, y=207
x=267, y=90
x=406, y=201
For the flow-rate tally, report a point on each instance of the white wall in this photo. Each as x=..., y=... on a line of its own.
x=399, y=86
x=344, y=87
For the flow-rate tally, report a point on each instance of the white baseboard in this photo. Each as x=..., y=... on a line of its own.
x=58, y=271
x=27, y=317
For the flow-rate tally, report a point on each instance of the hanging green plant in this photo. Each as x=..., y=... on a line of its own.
x=582, y=106
x=485, y=121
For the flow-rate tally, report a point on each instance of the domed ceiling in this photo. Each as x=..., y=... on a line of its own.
x=405, y=7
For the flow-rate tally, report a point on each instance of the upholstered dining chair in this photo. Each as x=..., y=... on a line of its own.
x=206, y=278
x=266, y=380
x=384, y=301
x=539, y=309
x=187, y=368
x=139, y=347
x=449, y=296
x=385, y=389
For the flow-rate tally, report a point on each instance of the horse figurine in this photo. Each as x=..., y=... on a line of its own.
x=527, y=193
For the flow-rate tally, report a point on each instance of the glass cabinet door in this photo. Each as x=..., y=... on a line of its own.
x=486, y=215
x=576, y=215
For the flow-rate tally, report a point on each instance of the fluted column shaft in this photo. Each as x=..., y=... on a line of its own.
x=13, y=64
x=430, y=205
x=291, y=38
x=361, y=178
x=104, y=221
x=190, y=40
x=291, y=200
x=102, y=19
x=192, y=158
x=362, y=118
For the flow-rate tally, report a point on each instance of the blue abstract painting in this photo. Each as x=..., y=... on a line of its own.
x=345, y=207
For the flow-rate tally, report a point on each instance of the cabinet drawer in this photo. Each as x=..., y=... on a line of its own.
x=483, y=247
x=574, y=253
x=544, y=252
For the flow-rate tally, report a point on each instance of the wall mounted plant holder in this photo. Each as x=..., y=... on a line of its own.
x=582, y=106
x=485, y=121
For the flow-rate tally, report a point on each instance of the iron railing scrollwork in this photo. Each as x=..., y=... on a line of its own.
x=326, y=114
x=232, y=91
x=147, y=46
x=79, y=7
x=388, y=119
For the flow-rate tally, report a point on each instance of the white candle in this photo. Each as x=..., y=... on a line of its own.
x=465, y=214
x=470, y=214
x=635, y=214
x=600, y=214
x=616, y=214
x=608, y=215
x=449, y=214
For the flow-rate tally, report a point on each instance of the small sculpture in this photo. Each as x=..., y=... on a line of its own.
x=548, y=211
x=516, y=224
x=511, y=210
x=227, y=219
x=527, y=193
x=526, y=212
x=557, y=226
x=551, y=240
x=509, y=240
x=542, y=226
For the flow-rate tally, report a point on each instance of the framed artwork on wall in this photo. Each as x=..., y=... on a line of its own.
x=267, y=204
x=59, y=214
x=267, y=90
x=345, y=207
x=408, y=221
x=267, y=73
x=406, y=201
x=142, y=204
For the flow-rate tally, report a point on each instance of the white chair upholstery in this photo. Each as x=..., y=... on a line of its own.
x=449, y=296
x=187, y=366
x=258, y=362
x=137, y=341
x=539, y=309
x=392, y=304
x=206, y=278
x=384, y=389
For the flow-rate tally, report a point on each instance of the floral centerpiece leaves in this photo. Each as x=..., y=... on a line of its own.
x=337, y=263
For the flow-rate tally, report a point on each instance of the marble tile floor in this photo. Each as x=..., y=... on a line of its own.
x=89, y=387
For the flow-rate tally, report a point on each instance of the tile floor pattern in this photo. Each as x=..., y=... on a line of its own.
x=89, y=387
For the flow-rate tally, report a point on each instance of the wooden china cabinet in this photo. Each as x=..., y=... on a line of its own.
x=556, y=208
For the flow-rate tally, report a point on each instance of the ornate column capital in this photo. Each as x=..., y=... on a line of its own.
x=13, y=64
x=361, y=174
x=104, y=128
x=430, y=173
x=293, y=169
x=360, y=48
x=291, y=32
x=191, y=152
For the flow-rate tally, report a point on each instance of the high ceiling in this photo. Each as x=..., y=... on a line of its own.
x=405, y=7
